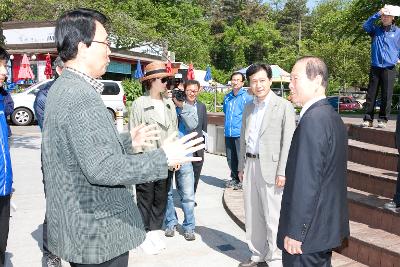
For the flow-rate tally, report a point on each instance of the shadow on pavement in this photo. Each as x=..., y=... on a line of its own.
x=214, y=181
x=38, y=236
x=8, y=262
x=29, y=142
x=224, y=243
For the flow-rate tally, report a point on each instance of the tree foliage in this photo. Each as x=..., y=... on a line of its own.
x=231, y=34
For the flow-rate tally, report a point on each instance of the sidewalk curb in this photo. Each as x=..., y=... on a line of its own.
x=234, y=207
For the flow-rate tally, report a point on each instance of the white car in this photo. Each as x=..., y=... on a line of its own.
x=113, y=97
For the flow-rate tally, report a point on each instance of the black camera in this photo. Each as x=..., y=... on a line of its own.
x=178, y=94
x=173, y=85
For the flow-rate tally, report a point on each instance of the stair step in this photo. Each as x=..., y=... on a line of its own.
x=372, y=180
x=370, y=246
x=380, y=137
x=373, y=155
x=368, y=209
x=338, y=260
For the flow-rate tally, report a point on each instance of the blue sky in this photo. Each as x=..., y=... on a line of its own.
x=311, y=3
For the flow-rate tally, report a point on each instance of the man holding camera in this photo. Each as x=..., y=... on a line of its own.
x=184, y=177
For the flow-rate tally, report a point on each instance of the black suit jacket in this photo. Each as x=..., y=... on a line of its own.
x=202, y=124
x=314, y=202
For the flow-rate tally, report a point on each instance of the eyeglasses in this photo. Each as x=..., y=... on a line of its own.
x=105, y=43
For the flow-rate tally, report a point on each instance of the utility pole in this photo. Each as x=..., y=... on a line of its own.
x=299, y=37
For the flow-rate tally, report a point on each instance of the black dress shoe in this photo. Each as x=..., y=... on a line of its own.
x=249, y=263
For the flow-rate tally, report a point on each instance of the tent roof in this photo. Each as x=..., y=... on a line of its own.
x=278, y=74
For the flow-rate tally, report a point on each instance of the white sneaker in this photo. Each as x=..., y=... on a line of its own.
x=148, y=246
x=381, y=124
x=158, y=240
x=366, y=124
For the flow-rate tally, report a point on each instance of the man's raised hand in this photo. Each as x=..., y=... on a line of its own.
x=142, y=135
x=179, y=151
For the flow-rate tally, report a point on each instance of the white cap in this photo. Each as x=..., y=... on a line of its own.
x=392, y=10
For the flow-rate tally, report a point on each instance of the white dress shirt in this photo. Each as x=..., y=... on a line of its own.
x=254, y=126
x=308, y=104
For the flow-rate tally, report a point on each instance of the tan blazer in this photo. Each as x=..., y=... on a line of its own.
x=276, y=134
x=143, y=111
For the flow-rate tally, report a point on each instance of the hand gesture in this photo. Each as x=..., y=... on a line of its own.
x=177, y=151
x=241, y=176
x=383, y=11
x=280, y=181
x=142, y=134
x=292, y=246
x=177, y=103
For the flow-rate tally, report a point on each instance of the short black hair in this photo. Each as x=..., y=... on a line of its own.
x=315, y=66
x=254, y=68
x=3, y=54
x=191, y=82
x=76, y=26
x=238, y=73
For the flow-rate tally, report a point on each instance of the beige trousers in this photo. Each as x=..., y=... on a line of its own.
x=262, y=205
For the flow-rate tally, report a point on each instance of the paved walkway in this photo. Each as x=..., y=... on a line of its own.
x=219, y=241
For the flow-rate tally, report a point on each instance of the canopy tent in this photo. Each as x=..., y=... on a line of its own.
x=278, y=74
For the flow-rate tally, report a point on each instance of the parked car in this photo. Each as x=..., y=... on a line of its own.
x=345, y=103
x=113, y=97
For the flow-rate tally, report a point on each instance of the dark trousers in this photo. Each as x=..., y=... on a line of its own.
x=152, y=202
x=120, y=261
x=396, y=198
x=197, y=166
x=232, y=145
x=384, y=78
x=4, y=226
x=46, y=251
x=320, y=259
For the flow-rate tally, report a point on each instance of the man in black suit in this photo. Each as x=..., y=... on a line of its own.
x=192, y=89
x=314, y=214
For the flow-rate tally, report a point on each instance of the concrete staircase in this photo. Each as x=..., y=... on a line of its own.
x=372, y=175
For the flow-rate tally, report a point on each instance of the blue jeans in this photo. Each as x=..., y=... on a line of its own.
x=184, y=180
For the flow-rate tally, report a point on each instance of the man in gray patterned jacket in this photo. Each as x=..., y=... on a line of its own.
x=92, y=218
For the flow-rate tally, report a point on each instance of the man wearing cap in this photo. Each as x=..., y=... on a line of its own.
x=385, y=53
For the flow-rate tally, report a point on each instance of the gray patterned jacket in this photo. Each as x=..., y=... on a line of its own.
x=91, y=215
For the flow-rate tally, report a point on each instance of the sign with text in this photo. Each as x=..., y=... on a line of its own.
x=29, y=36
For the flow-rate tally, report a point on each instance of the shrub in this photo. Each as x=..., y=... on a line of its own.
x=208, y=99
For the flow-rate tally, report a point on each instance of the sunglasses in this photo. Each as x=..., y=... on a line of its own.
x=164, y=80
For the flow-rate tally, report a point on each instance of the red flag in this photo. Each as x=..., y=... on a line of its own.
x=169, y=67
x=48, y=71
x=190, y=74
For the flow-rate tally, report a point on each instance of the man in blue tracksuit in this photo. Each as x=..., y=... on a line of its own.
x=39, y=107
x=233, y=107
x=385, y=53
x=6, y=178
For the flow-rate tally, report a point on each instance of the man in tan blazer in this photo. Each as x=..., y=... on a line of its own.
x=267, y=128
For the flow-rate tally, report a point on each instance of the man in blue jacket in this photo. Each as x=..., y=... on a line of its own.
x=385, y=50
x=5, y=165
x=39, y=106
x=233, y=107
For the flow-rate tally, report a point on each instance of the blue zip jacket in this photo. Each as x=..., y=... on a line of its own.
x=40, y=103
x=385, y=47
x=233, y=108
x=6, y=177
